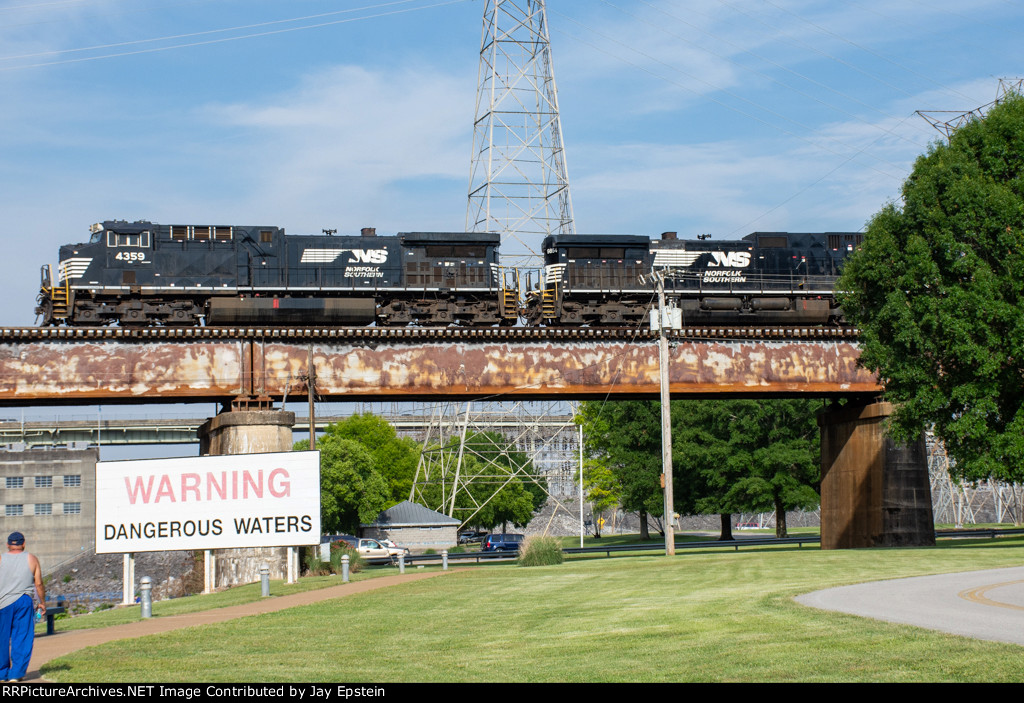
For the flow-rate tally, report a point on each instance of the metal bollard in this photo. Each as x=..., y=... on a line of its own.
x=401, y=563
x=264, y=579
x=444, y=560
x=145, y=587
x=344, y=568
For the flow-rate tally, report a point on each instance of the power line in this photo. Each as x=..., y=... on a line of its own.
x=717, y=101
x=228, y=39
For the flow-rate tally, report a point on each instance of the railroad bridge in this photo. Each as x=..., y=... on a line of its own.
x=864, y=499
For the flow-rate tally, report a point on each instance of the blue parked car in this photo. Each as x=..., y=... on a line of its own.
x=501, y=543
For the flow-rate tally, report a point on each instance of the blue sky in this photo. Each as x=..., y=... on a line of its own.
x=716, y=116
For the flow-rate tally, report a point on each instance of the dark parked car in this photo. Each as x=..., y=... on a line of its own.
x=471, y=537
x=501, y=543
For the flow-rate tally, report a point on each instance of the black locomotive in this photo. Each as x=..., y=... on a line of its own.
x=764, y=278
x=144, y=274
x=140, y=273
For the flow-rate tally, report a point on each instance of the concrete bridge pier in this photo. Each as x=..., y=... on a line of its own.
x=874, y=492
x=247, y=432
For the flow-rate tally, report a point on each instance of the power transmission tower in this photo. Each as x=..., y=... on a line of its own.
x=949, y=121
x=548, y=441
x=518, y=183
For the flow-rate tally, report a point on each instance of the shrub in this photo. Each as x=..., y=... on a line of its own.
x=540, y=551
x=458, y=549
x=315, y=566
x=340, y=549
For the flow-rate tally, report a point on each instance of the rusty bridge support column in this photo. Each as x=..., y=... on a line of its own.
x=247, y=432
x=874, y=492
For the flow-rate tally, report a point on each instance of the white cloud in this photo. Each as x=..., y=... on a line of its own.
x=346, y=139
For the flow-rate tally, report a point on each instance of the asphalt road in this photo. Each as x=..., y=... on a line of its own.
x=986, y=605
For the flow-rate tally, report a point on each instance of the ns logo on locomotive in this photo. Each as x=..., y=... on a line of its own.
x=146, y=274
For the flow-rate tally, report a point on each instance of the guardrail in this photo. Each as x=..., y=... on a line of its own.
x=608, y=550
x=990, y=532
x=735, y=545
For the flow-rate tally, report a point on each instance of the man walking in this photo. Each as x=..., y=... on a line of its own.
x=19, y=577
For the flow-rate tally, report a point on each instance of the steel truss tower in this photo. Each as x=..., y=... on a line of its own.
x=949, y=121
x=960, y=503
x=518, y=183
x=548, y=440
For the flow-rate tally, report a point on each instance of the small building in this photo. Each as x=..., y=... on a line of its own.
x=414, y=527
x=49, y=495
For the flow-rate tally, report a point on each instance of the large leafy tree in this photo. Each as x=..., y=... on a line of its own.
x=625, y=436
x=747, y=455
x=394, y=457
x=938, y=291
x=364, y=468
x=351, y=490
x=728, y=456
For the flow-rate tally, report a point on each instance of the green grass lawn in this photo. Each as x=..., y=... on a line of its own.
x=700, y=616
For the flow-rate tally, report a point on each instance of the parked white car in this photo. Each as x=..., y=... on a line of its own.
x=393, y=548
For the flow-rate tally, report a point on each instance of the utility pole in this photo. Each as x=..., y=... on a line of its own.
x=666, y=421
x=311, y=381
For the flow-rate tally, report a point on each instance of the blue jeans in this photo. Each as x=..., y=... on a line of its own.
x=17, y=629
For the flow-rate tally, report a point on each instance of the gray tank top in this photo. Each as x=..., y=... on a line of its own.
x=15, y=578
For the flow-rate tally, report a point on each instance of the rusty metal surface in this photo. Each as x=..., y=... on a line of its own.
x=69, y=372
x=81, y=372
x=563, y=370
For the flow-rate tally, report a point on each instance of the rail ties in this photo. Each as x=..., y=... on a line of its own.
x=54, y=334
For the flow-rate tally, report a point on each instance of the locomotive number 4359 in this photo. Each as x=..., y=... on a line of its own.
x=130, y=256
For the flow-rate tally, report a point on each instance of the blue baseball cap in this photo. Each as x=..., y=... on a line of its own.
x=16, y=538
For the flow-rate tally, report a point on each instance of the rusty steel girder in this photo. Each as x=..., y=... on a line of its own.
x=47, y=373
x=562, y=369
x=71, y=372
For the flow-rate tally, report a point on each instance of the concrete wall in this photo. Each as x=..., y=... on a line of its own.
x=53, y=531
x=247, y=432
x=417, y=539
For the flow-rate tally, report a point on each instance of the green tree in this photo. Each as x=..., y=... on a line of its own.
x=936, y=289
x=626, y=437
x=350, y=488
x=601, y=488
x=727, y=456
x=749, y=455
x=394, y=457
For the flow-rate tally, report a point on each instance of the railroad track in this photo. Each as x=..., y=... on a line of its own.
x=58, y=334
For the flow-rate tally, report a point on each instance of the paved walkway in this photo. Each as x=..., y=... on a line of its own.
x=987, y=605
x=61, y=643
